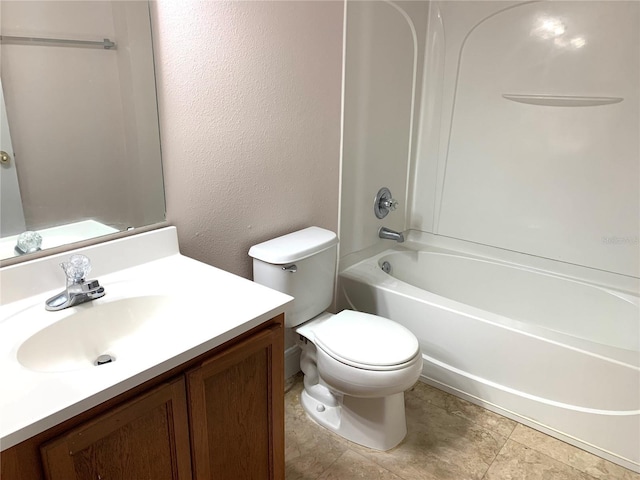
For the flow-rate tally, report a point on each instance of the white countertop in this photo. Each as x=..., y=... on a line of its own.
x=215, y=306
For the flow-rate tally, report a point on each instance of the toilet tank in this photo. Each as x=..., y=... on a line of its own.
x=301, y=264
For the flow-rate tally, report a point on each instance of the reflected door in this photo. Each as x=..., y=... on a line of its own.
x=11, y=212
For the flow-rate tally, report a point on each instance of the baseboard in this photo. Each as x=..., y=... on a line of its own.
x=291, y=361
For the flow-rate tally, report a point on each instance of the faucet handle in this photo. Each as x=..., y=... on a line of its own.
x=391, y=204
x=77, y=268
x=384, y=203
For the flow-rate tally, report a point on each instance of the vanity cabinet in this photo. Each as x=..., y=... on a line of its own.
x=234, y=398
x=147, y=437
x=218, y=416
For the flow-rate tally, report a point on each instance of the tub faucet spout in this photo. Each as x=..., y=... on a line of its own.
x=389, y=234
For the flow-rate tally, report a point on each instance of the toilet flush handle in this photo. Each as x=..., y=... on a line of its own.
x=293, y=268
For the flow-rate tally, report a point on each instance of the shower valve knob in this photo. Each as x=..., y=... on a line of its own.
x=391, y=204
x=384, y=203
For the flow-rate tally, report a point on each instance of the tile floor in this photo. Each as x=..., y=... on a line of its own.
x=448, y=439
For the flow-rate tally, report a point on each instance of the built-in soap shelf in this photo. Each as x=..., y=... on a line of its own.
x=562, y=100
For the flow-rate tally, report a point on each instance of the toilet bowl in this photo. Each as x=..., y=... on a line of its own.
x=356, y=365
x=356, y=395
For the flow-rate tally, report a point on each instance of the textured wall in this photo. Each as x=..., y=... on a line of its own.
x=249, y=96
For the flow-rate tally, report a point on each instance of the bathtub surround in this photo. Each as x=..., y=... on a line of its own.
x=465, y=160
x=249, y=96
x=512, y=141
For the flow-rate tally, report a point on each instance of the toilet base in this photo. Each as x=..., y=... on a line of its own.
x=377, y=423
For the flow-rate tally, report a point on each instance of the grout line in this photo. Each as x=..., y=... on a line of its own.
x=332, y=463
x=495, y=458
x=539, y=452
x=514, y=429
x=484, y=476
x=379, y=465
x=468, y=418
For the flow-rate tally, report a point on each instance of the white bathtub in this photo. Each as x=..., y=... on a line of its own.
x=554, y=353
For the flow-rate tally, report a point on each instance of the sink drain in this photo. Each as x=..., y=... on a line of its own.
x=386, y=267
x=102, y=359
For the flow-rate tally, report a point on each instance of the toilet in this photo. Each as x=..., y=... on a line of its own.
x=356, y=366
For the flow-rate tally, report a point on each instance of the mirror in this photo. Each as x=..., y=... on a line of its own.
x=80, y=141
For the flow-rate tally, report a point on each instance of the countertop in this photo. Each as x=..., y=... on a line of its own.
x=213, y=307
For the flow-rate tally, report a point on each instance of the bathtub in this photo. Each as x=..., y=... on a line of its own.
x=554, y=353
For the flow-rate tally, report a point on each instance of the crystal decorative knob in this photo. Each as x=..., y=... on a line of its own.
x=28, y=242
x=77, y=268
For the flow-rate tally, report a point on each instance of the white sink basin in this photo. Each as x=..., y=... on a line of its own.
x=118, y=328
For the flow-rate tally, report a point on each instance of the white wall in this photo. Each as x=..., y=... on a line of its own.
x=552, y=181
x=249, y=96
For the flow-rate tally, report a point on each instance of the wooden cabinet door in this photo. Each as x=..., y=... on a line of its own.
x=236, y=410
x=146, y=438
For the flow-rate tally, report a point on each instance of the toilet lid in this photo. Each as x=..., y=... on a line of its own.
x=362, y=339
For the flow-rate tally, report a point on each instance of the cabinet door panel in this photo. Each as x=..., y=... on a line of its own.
x=237, y=411
x=146, y=438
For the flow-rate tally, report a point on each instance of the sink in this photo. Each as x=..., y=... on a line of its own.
x=161, y=309
x=116, y=328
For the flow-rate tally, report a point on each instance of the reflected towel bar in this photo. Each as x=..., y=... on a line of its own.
x=105, y=43
x=562, y=100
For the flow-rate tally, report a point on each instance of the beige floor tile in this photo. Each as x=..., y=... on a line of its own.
x=439, y=445
x=572, y=456
x=448, y=439
x=352, y=466
x=457, y=406
x=311, y=455
x=412, y=461
x=309, y=448
x=516, y=461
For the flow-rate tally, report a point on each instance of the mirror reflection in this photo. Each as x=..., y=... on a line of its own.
x=80, y=142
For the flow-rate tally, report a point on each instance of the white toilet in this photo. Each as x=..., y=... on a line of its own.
x=356, y=366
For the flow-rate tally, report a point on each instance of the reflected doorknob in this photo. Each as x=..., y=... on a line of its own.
x=5, y=159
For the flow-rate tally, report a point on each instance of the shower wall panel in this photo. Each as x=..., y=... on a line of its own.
x=384, y=45
x=537, y=148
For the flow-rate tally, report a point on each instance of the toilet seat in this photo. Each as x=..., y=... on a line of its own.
x=366, y=341
x=366, y=382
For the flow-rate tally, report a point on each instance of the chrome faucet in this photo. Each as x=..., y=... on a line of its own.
x=78, y=289
x=389, y=234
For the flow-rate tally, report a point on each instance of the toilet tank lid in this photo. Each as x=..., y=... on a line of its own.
x=295, y=246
